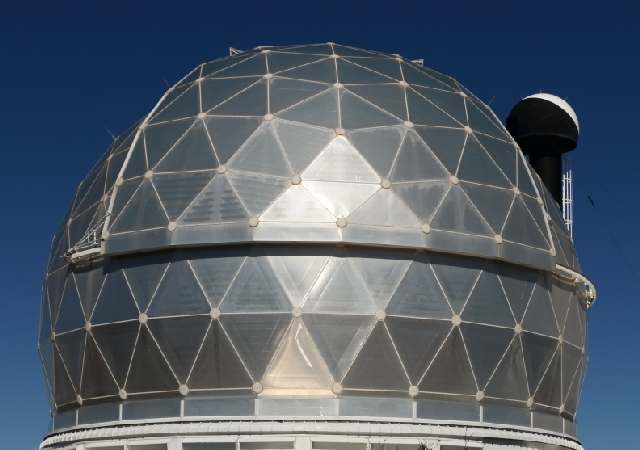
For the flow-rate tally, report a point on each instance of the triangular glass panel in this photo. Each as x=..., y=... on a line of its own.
x=493, y=203
x=116, y=302
x=571, y=399
x=339, y=338
x=561, y=257
x=284, y=92
x=524, y=179
x=217, y=90
x=179, y=293
x=261, y=153
x=357, y=113
x=217, y=365
x=297, y=272
x=149, y=370
x=445, y=143
x=216, y=203
x=89, y=282
x=350, y=73
x=388, y=97
x=346, y=50
x=538, y=351
x=481, y=123
x=116, y=162
x=341, y=198
x=536, y=210
x=250, y=102
x=423, y=197
x=447, y=81
x=415, y=75
x=123, y=195
x=419, y=295
x=451, y=102
x=561, y=297
x=45, y=346
x=549, y=392
x=143, y=274
x=229, y=133
x=215, y=66
x=487, y=303
x=450, y=371
x=539, y=317
x=316, y=49
x=423, y=112
x=70, y=315
x=456, y=213
x=180, y=339
x=301, y=143
x=143, y=211
x=116, y=343
x=94, y=192
x=381, y=272
x=177, y=190
x=384, y=66
x=521, y=228
x=485, y=345
x=417, y=341
x=62, y=388
x=571, y=357
x=476, y=166
x=297, y=205
x=187, y=105
x=503, y=153
x=285, y=61
x=321, y=110
x=192, y=152
x=257, y=191
x=379, y=146
x=377, y=366
x=340, y=161
x=55, y=290
x=415, y=162
x=572, y=328
x=256, y=337
x=510, y=378
x=457, y=276
x=384, y=208
x=71, y=348
x=255, y=65
x=255, y=289
x=215, y=269
x=518, y=284
x=97, y=381
x=173, y=93
x=340, y=291
x=297, y=367
x=323, y=71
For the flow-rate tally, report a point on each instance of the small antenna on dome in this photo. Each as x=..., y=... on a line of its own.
x=113, y=136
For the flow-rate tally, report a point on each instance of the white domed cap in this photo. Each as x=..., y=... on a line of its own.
x=562, y=104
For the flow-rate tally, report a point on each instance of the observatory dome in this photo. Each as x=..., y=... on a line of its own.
x=314, y=230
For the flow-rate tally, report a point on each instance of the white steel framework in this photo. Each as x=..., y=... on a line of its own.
x=567, y=194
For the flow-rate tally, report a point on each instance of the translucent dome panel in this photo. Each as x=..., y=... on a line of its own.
x=319, y=143
x=287, y=321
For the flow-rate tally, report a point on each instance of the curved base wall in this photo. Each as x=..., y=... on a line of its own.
x=353, y=434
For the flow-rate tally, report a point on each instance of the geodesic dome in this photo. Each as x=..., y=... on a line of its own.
x=322, y=223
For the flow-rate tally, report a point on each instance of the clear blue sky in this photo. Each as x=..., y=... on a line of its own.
x=69, y=71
